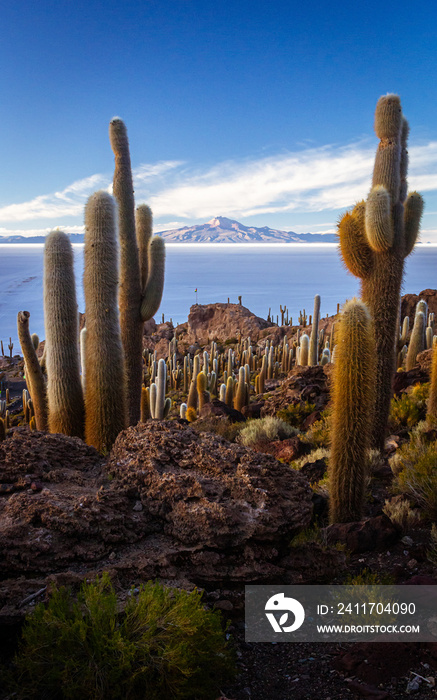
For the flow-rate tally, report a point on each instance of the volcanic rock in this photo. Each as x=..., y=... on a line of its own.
x=212, y=512
x=223, y=322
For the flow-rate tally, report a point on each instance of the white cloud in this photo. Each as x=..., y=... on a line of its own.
x=327, y=178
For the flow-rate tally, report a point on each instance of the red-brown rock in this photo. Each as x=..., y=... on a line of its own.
x=365, y=535
x=222, y=322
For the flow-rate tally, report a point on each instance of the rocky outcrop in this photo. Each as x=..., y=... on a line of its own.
x=205, y=490
x=168, y=503
x=223, y=322
x=303, y=384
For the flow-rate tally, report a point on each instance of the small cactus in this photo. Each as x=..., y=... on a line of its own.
x=34, y=376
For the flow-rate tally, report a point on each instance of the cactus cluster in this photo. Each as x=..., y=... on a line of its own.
x=123, y=284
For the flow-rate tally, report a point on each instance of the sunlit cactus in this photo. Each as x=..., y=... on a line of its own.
x=105, y=397
x=64, y=389
x=353, y=396
x=142, y=260
x=375, y=238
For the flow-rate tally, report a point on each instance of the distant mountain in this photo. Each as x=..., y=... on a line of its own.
x=223, y=230
x=74, y=238
x=218, y=230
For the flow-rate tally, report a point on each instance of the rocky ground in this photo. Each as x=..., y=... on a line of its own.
x=189, y=508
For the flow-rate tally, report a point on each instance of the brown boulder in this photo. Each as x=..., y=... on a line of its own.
x=364, y=535
x=219, y=409
x=207, y=491
x=222, y=322
x=170, y=504
x=402, y=380
x=288, y=450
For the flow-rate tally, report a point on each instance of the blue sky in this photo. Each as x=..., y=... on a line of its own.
x=262, y=112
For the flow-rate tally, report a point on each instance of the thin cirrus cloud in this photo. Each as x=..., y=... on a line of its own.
x=328, y=179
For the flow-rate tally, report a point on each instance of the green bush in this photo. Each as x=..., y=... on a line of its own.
x=415, y=469
x=295, y=413
x=165, y=645
x=409, y=408
x=265, y=430
x=319, y=433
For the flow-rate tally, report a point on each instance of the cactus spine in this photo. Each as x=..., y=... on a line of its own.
x=353, y=394
x=105, y=396
x=64, y=389
x=376, y=237
x=142, y=260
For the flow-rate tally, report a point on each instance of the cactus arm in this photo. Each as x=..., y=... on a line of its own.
x=413, y=210
x=404, y=161
x=152, y=293
x=354, y=248
x=144, y=226
x=378, y=220
x=34, y=373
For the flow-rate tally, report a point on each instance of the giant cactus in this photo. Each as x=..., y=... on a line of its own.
x=105, y=397
x=142, y=259
x=353, y=393
x=64, y=389
x=376, y=237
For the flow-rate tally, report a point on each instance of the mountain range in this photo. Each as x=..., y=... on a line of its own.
x=218, y=230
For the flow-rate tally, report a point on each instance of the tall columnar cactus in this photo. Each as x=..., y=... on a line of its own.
x=64, y=388
x=240, y=396
x=431, y=415
x=417, y=340
x=142, y=260
x=313, y=358
x=105, y=396
x=376, y=237
x=34, y=376
x=353, y=396
x=304, y=350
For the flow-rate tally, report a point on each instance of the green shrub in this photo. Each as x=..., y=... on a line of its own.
x=265, y=430
x=319, y=433
x=409, y=408
x=165, y=645
x=369, y=578
x=313, y=456
x=415, y=469
x=295, y=413
x=400, y=513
